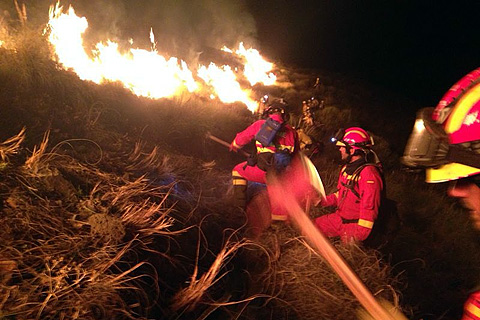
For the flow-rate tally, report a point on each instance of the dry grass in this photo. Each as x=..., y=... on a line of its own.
x=190, y=296
x=11, y=146
x=307, y=283
x=64, y=258
x=75, y=236
x=34, y=163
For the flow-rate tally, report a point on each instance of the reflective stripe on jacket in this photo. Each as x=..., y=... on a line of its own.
x=361, y=209
x=285, y=140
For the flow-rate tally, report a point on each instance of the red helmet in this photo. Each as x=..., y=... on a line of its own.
x=353, y=137
x=277, y=105
x=446, y=139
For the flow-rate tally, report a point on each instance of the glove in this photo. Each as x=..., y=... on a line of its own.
x=233, y=147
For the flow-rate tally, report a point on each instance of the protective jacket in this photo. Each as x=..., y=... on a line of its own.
x=286, y=140
x=471, y=308
x=357, y=201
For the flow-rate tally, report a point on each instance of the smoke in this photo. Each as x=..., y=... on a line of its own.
x=185, y=27
x=182, y=28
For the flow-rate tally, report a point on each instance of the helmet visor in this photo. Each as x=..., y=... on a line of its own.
x=428, y=144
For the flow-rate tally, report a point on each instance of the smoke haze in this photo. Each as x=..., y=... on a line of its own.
x=182, y=28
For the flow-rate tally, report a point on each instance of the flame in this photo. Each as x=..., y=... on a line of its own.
x=148, y=73
x=225, y=83
x=256, y=67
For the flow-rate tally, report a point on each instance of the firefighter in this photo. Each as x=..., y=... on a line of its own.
x=446, y=142
x=305, y=141
x=359, y=189
x=274, y=155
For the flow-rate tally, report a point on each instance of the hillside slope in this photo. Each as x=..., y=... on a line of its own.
x=116, y=206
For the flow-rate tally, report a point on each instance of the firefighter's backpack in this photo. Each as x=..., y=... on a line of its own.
x=268, y=131
x=388, y=221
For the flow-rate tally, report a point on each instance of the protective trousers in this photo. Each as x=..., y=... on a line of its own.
x=239, y=190
x=241, y=174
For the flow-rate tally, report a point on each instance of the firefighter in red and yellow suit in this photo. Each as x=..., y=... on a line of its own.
x=285, y=141
x=453, y=126
x=359, y=189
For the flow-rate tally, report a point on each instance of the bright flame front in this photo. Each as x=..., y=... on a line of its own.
x=148, y=73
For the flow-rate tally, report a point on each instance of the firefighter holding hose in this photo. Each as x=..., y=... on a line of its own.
x=276, y=143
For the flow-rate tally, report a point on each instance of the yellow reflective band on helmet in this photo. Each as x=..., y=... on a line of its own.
x=450, y=171
x=473, y=309
x=365, y=223
x=459, y=113
x=357, y=131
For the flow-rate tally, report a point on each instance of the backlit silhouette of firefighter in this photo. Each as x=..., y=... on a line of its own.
x=308, y=126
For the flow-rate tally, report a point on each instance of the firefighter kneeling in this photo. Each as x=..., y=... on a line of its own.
x=275, y=142
x=359, y=189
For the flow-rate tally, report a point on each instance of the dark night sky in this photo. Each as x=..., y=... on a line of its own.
x=417, y=49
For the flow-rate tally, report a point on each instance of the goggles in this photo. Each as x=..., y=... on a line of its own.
x=428, y=145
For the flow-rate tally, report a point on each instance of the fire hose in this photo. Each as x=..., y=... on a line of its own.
x=224, y=143
x=374, y=310
x=282, y=196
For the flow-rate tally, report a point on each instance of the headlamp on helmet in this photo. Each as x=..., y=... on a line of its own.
x=264, y=99
x=276, y=106
x=354, y=137
x=338, y=136
x=429, y=147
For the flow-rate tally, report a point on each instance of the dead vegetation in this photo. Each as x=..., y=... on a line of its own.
x=307, y=286
x=66, y=246
x=11, y=146
x=84, y=243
